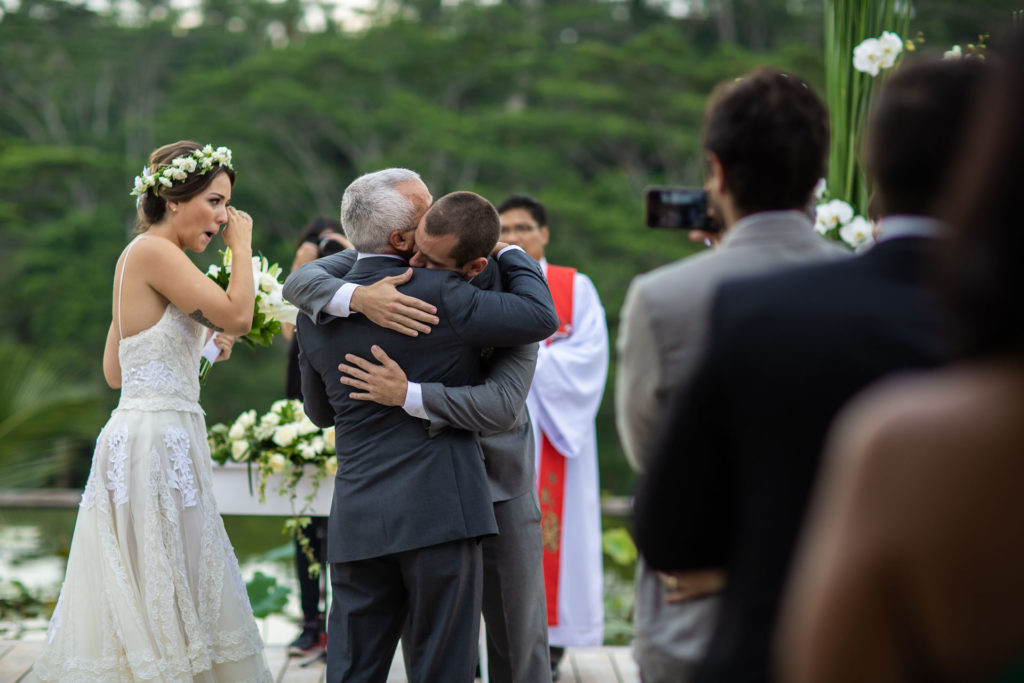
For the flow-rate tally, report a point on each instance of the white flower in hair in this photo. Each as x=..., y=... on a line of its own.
x=179, y=168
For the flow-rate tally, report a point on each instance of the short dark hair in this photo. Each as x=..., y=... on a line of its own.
x=152, y=205
x=915, y=131
x=984, y=281
x=312, y=230
x=471, y=218
x=525, y=201
x=771, y=133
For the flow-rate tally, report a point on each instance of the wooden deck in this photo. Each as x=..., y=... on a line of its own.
x=581, y=665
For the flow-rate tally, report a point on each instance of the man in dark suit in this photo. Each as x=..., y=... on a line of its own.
x=513, y=582
x=739, y=448
x=408, y=510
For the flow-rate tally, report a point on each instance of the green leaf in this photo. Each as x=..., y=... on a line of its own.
x=265, y=595
x=618, y=545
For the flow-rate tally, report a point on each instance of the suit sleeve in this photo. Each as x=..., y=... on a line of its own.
x=571, y=375
x=494, y=406
x=684, y=501
x=522, y=314
x=314, y=394
x=639, y=377
x=311, y=286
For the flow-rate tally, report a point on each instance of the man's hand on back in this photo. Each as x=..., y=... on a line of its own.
x=385, y=383
x=384, y=305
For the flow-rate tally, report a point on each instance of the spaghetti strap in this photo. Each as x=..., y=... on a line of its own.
x=120, y=287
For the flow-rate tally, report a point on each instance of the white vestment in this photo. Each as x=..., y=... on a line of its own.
x=563, y=402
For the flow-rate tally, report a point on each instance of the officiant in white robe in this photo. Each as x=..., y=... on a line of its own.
x=572, y=368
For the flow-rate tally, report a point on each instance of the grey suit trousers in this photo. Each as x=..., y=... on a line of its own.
x=434, y=592
x=513, y=602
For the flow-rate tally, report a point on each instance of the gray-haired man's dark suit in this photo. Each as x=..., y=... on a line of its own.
x=408, y=504
x=513, y=587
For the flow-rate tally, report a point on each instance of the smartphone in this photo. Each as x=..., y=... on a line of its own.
x=678, y=208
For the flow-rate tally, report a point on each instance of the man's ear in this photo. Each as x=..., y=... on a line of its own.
x=716, y=173
x=473, y=268
x=402, y=240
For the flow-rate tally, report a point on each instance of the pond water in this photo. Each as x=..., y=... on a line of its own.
x=34, y=545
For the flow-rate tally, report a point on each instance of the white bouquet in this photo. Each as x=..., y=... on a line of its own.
x=270, y=309
x=282, y=441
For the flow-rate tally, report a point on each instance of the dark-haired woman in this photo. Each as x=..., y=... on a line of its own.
x=912, y=568
x=153, y=591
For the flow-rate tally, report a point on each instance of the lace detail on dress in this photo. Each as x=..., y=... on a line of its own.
x=117, y=442
x=154, y=375
x=160, y=365
x=179, y=475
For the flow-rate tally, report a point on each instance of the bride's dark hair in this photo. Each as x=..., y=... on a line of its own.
x=152, y=206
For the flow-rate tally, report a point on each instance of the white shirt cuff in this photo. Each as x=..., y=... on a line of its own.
x=511, y=246
x=211, y=351
x=414, y=401
x=340, y=302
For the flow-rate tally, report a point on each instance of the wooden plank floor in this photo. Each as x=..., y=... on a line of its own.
x=581, y=665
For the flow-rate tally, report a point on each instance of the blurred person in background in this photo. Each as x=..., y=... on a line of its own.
x=320, y=237
x=572, y=368
x=911, y=565
x=766, y=141
x=785, y=352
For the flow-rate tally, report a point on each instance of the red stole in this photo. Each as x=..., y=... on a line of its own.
x=551, y=478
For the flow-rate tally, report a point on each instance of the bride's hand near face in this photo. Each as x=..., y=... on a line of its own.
x=238, y=231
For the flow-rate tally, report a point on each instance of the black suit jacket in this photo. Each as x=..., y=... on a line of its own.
x=738, y=453
x=397, y=488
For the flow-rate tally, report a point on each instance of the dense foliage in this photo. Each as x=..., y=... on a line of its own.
x=582, y=103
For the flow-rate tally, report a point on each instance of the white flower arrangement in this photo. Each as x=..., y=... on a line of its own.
x=202, y=159
x=282, y=441
x=270, y=310
x=875, y=54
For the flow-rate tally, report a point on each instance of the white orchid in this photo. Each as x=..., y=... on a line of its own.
x=891, y=46
x=820, y=188
x=856, y=232
x=875, y=54
x=867, y=57
x=831, y=215
x=953, y=53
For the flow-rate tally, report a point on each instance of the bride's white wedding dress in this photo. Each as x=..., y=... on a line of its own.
x=153, y=591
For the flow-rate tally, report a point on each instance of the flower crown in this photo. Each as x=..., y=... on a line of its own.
x=202, y=159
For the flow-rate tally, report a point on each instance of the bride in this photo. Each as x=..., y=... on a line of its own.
x=152, y=590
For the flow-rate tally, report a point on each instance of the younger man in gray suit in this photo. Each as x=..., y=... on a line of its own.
x=408, y=507
x=766, y=139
